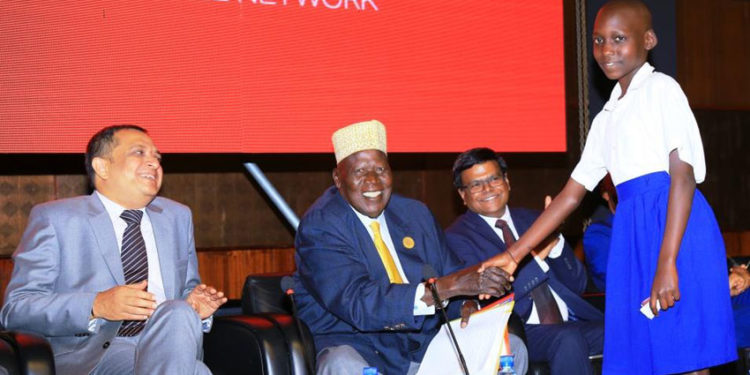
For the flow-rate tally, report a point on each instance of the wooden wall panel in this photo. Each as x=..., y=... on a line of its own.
x=713, y=52
x=737, y=243
x=726, y=138
x=228, y=210
x=71, y=185
x=6, y=270
x=18, y=194
x=227, y=270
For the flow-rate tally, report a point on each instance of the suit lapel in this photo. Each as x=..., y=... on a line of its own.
x=476, y=223
x=165, y=247
x=365, y=243
x=104, y=232
x=521, y=222
x=411, y=259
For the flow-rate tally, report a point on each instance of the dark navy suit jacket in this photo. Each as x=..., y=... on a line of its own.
x=596, y=239
x=343, y=292
x=473, y=241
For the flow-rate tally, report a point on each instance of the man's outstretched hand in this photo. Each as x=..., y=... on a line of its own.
x=205, y=300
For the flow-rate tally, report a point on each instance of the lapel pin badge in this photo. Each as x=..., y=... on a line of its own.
x=408, y=242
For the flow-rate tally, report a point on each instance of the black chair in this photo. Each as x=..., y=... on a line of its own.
x=262, y=295
x=245, y=345
x=25, y=354
x=264, y=339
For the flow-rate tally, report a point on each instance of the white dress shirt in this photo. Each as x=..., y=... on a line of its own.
x=155, y=282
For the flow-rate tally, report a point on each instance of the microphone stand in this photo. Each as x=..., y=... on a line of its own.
x=439, y=306
x=287, y=284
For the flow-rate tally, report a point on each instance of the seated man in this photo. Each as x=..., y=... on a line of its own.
x=360, y=257
x=111, y=279
x=561, y=328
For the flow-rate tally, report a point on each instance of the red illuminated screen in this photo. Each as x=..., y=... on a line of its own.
x=279, y=76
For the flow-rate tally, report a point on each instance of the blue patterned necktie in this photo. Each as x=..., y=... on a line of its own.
x=546, y=306
x=134, y=263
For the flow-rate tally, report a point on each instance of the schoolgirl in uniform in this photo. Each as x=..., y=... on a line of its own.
x=667, y=251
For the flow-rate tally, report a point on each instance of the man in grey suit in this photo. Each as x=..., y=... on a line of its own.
x=111, y=279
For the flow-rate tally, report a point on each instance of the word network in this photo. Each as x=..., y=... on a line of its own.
x=330, y=4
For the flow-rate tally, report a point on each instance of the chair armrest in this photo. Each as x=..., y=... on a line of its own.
x=297, y=346
x=8, y=360
x=34, y=354
x=263, y=298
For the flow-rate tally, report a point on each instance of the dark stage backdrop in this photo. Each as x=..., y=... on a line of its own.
x=278, y=76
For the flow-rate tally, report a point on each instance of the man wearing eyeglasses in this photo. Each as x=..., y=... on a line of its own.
x=561, y=328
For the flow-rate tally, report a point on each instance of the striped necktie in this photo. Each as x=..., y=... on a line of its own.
x=385, y=255
x=546, y=306
x=134, y=263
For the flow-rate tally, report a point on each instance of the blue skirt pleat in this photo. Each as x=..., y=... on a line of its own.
x=698, y=332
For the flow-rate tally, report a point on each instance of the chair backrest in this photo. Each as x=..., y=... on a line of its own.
x=246, y=345
x=262, y=294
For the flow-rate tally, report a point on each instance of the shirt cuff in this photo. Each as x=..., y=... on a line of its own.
x=420, y=307
x=557, y=250
x=542, y=264
x=94, y=325
x=553, y=254
x=207, y=323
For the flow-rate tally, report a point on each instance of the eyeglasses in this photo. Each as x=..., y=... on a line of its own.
x=478, y=185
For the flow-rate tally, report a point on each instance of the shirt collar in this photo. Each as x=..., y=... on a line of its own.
x=113, y=209
x=640, y=76
x=366, y=220
x=492, y=220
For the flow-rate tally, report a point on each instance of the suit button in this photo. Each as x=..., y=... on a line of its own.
x=106, y=345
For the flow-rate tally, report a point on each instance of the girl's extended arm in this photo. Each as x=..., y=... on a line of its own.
x=665, y=288
x=563, y=204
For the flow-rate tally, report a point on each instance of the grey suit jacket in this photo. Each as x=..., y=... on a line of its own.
x=68, y=254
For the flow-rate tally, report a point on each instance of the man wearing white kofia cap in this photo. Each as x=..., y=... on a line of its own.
x=360, y=256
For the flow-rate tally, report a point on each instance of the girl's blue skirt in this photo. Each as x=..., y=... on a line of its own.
x=698, y=332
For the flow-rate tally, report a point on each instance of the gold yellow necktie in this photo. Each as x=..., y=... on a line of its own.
x=385, y=255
